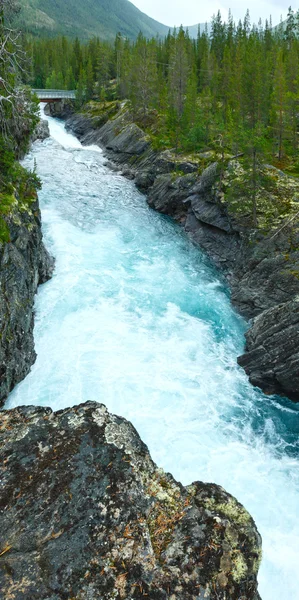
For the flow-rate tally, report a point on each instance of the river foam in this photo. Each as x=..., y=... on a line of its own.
x=136, y=317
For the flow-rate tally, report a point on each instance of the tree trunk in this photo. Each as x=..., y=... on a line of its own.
x=254, y=187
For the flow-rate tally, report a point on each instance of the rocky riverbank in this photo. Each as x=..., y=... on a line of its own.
x=261, y=265
x=86, y=514
x=24, y=264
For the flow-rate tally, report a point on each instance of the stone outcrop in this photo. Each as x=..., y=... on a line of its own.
x=62, y=109
x=24, y=263
x=168, y=194
x=119, y=135
x=272, y=345
x=41, y=131
x=86, y=514
x=262, y=270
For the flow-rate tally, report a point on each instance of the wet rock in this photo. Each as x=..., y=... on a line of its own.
x=222, y=248
x=128, y=173
x=62, y=109
x=110, y=131
x=87, y=128
x=264, y=282
x=86, y=514
x=111, y=166
x=272, y=344
x=24, y=263
x=41, y=131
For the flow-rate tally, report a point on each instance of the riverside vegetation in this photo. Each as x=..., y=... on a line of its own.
x=18, y=119
x=234, y=92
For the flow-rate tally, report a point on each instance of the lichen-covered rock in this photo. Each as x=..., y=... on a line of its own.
x=87, y=515
x=272, y=357
x=24, y=263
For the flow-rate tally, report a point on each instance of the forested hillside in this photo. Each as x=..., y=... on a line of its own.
x=235, y=92
x=102, y=18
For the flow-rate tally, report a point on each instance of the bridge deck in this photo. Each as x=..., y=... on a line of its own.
x=55, y=94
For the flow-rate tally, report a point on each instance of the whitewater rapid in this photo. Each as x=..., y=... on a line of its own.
x=136, y=317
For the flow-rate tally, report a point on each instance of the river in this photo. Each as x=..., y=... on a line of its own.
x=137, y=318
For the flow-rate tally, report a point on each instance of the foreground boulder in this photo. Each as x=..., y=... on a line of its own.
x=86, y=514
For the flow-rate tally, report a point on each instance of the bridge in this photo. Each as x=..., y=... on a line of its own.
x=55, y=95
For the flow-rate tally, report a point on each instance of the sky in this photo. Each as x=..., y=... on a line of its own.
x=190, y=12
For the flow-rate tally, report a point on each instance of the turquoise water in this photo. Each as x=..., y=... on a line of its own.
x=136, y=317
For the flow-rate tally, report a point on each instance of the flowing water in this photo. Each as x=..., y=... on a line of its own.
x=136, y=317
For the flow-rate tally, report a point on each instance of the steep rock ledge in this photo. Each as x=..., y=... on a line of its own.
x=24, y=263
x=273, y=350
x=41, y=132
x=86, y=514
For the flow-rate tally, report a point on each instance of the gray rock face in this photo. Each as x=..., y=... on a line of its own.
x=273, y=349
x=24, y=263
x=131, y=140
x=207, y=179
x=224, y=249
x=168, y=194
x=81, y=126
x=63, y=109
x=144, y=180
x=87, y=129
x=209, y=213
x=41, y=131
x=86, y=514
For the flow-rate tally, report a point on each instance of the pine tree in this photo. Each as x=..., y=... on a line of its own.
x=177, y=84
x=144, y=75
x=89, y=81
x=279, y=105
x=178, y=73
x=81, y=89
x=290, y=31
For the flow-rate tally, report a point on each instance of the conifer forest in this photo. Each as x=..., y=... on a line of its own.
x=235, y=89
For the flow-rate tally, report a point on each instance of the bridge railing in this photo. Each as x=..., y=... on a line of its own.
x=55, y=94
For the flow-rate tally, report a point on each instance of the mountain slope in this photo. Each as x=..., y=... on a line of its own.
x=103, y=18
